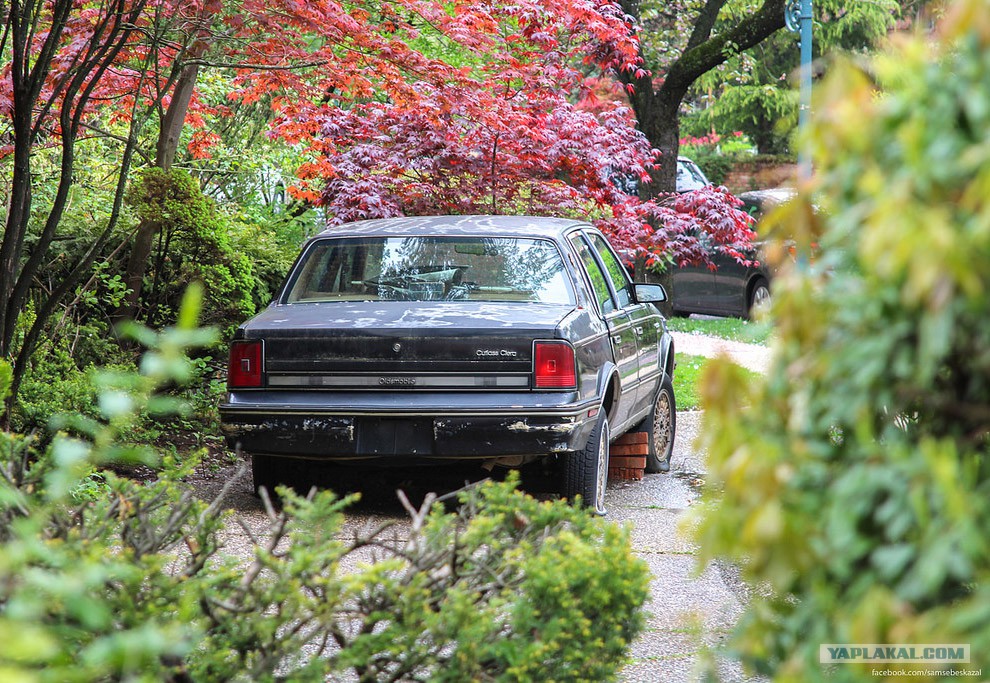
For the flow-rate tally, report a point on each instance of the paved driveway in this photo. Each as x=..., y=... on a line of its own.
x=687, y=610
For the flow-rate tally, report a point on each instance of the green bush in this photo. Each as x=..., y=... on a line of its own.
x=855, y=487
x=104, y=578
x=60, y=379
x=716, y=154
x=195, y=245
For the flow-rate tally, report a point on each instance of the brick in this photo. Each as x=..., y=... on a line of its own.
x=635, y=449
x=630, y=438
x=636, y=462
x=625, y=473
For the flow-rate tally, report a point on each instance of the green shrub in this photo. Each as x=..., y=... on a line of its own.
x=715, y=154
x=195, y=245
x=855, y=490
x=104, y=578
x=53, y=384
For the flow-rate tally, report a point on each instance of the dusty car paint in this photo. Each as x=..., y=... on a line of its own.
x=398, y=380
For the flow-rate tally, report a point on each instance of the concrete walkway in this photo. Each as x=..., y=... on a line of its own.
x=690, y=608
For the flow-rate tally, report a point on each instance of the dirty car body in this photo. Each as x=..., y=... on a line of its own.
x=503, y=339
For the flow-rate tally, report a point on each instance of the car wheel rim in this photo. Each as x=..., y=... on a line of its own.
x=602, y=477
x=661, y=425
x=761, y=296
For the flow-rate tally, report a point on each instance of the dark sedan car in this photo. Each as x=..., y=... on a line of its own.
x=494, y=338
x=732, y=289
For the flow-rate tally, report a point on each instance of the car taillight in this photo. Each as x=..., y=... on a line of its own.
x=553, y=366
x=244, y=369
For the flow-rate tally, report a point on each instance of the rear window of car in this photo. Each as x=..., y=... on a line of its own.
x=431, y=269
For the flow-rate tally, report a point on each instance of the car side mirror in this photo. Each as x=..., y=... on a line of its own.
x=650, y=294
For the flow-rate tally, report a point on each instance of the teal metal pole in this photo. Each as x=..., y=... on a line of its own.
x=798, y=17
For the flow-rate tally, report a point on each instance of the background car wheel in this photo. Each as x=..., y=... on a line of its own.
x=759, y=296
x=263, y=470
x=586, y=472
x=661, y=426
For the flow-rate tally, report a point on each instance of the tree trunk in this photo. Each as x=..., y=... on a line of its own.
x=31, y=113
x=660, y=123
x=658, y=108
x=168, y=143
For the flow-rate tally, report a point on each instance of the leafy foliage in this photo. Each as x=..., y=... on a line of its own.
x=753, y=92
x=196, y=246
x=102, y=577
x=716, y=154
x=855, y=486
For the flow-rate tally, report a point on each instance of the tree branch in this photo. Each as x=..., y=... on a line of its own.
x=702, y=58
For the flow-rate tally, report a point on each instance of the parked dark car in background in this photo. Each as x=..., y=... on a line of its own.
x=689, y=177
x=732, y=289
x=492, y=338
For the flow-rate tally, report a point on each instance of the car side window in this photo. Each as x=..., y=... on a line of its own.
x=616, y=273
x=598, y=282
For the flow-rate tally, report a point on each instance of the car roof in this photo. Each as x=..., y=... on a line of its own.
x=500, y=226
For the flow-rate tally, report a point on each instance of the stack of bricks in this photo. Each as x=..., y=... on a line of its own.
x=627, y=456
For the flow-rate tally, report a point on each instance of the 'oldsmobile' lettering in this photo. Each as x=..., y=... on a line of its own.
x=397, y=381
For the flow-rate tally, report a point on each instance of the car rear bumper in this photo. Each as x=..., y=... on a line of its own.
x=402, y=426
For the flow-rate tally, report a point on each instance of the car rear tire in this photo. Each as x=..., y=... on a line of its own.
x=586, y=471
x=759, y=296
x=660, y=427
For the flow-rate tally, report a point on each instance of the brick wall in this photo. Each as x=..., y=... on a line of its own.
x=760, y=174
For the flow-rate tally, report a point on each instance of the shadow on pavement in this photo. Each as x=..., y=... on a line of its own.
x=375, y=485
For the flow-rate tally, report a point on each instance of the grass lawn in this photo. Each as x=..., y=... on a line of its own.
x=686, y=377
x=733, y=329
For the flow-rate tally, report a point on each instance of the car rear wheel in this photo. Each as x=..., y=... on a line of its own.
x=586, y=471
x=660, y=427
x=759, y=296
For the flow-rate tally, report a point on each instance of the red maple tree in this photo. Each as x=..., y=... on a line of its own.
x=403, y=106
x=420, y=107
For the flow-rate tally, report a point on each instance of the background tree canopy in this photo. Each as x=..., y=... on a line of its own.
x=752, y=91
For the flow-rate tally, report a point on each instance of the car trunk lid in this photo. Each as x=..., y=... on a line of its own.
x=395, y=345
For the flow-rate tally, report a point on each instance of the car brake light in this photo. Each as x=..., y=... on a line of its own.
x=244, y=369
x=553, y=366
